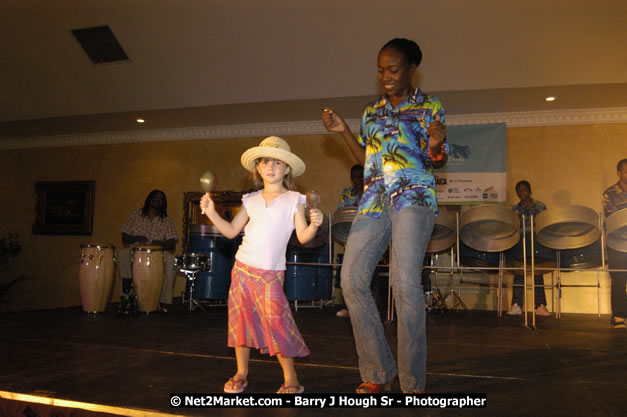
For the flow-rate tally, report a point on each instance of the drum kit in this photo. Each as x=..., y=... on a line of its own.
x=191, y=264
x=207, y=266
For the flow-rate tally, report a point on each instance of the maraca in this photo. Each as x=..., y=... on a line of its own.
x=313, y=199
x=207, y=183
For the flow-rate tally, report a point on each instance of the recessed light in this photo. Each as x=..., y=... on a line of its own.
x=140, y=120
x=550, y=98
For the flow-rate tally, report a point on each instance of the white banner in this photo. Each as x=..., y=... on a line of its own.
x=476, y=170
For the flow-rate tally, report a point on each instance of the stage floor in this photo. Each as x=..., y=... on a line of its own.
x=573, y=366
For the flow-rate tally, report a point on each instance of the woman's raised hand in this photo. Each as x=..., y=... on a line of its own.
x=332, y=121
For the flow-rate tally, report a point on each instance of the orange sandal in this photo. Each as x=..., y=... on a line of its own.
x=373, y=388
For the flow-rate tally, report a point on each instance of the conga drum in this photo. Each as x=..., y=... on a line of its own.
x=147, y=276
x=342, y=222
x=616, y=227
x=95, y=276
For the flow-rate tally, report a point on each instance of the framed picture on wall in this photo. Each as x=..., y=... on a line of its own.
x=64, y=208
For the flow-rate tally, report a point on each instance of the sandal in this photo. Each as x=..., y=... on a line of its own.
x=373, y=388
x=618, y=322
x=235, y=386
x=295, y=389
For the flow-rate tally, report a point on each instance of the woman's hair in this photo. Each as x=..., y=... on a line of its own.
x=163, y=211
x=257, y=181
x=525, y=183
x=410, y=50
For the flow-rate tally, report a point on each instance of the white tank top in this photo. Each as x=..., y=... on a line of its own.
x=268, y=229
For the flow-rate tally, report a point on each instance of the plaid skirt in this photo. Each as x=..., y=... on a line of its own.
x=259, y=313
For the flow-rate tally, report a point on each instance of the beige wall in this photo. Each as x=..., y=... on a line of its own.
x=565, y=165
x=124, y=175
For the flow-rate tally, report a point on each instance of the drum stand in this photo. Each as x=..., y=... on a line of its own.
x=433, y=297
x=191, y=274
x=457, y=300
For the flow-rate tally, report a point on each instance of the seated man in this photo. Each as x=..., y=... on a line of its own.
x=150, y=225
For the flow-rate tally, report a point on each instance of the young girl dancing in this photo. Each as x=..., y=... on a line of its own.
x=259, y=313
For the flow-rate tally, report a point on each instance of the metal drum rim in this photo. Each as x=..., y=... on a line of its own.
x=204, y=230
x=446, y=220
x=489, y=212
x=148, y=248
x=567, y=210
x=614, y=223
x=97, y=245
x=566, y=214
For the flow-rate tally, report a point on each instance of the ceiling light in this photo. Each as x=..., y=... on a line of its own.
x=140, y=120
x=551, y=98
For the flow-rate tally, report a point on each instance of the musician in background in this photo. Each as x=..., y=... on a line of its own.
x=351, y=195
x=150, y=225
x=615, y=199
x=527, y=206
x=350, y=198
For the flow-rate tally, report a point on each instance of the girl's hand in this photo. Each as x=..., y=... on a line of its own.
x=332, y=121
x=315, y=217
x=207, y=205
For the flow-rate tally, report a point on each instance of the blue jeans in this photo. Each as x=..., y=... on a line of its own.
x=538, y=283
x=409, y=231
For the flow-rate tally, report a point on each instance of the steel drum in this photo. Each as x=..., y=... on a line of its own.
x=95, y=276
x=567, y=227
x=342, y=222
x=543, y=257
x=582, y=258
x=147, y=276
x=477, y=259
x=214, y=281
x=444, y=232
x=308, y=282
x=489, y=228
x=616, y=227
x=320, y=239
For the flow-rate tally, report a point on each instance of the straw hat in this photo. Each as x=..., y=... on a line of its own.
x=276, y=148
